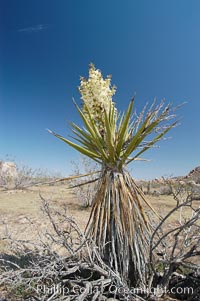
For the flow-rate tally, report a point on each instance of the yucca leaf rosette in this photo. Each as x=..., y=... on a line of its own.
x=118, y=223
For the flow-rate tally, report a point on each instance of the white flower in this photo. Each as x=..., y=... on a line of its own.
x=96, y=94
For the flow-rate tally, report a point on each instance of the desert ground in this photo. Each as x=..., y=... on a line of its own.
x=21, y=214
x=22, y=217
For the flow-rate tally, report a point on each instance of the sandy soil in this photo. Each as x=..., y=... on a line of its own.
x=21, y=211
x=19, y=208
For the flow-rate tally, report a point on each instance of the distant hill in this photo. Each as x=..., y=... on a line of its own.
x=194, y=175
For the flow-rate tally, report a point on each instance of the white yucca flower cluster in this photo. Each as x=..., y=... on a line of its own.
x=96, y=94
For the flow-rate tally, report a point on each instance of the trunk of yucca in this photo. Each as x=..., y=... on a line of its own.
x=119, y=226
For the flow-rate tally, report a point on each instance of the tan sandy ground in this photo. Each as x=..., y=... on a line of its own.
x=19, y=207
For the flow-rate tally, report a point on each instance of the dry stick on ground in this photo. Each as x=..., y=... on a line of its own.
x=80, y=273
x=180, y=244
x=85, y=269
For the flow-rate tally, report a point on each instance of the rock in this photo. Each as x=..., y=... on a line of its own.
x=194, y=175
x=8, y=169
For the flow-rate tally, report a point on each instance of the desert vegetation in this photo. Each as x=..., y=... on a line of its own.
x=127, y=249
x=118, y=223
x=15, y=175
x=83, y=192
x=60, y=262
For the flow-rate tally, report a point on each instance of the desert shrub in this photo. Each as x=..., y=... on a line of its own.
x=165, y=190
x=194, y=189
x=178, y=246
x=156, y=188
x=84, y=193
x=24, y=177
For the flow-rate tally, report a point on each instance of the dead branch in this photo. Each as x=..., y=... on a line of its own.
x=178, y=245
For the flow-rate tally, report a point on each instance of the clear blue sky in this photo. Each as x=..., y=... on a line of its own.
x=151, y=48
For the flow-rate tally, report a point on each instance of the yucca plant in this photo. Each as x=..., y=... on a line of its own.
x=118, y=222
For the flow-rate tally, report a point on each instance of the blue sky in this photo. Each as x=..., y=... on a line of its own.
x=151, y=48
